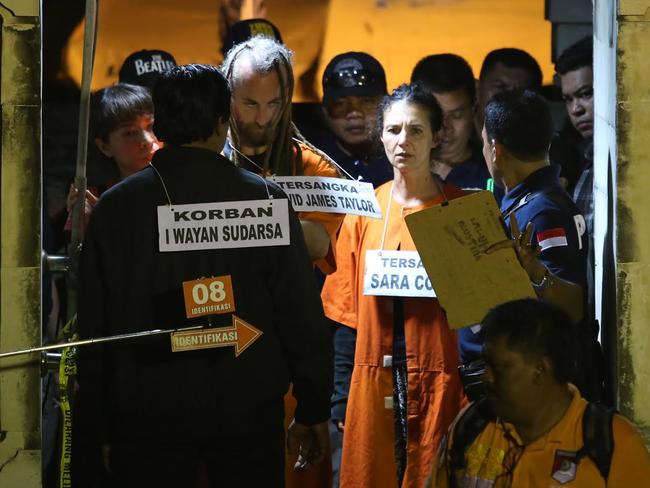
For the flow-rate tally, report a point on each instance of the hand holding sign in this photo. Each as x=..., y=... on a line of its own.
x=527, y=254
x=452, y=240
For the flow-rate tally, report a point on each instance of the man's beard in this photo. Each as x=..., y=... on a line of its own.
x=253, y=135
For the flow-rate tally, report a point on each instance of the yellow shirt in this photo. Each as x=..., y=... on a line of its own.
x=497, y=458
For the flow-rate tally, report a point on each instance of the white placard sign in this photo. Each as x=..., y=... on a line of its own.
x=334, y=195
x=396, y=274
x=223, y=225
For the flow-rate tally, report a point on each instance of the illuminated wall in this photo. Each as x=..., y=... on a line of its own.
x=404, y=31
x=397, y=32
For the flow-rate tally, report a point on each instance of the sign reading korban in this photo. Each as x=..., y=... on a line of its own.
x=248, y=223
x=334, y=195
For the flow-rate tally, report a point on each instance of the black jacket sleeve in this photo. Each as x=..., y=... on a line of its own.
x=302, y=328
x=90, y=419
x=345, y=341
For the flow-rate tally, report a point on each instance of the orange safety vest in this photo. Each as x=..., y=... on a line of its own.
x=498, y=457
x=434, y=394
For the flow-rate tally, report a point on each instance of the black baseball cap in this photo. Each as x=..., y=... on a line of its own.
x=353, y=74
x=145, y=67
x=245, y=29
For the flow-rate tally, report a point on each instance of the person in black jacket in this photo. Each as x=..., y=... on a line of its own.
x=153, y=416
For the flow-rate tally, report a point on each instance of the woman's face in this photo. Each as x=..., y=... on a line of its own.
x=407, y=137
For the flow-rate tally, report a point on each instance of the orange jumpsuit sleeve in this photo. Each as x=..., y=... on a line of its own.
x=339, y=293
x=631, y=460
x=315, y=165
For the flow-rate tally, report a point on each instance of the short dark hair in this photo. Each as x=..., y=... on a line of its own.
x=513, y=58
x=115, y=105
x=533, y=327
x=521, y=121
x=443, y=73
x=577, y=55
x=190, y=100
x=416, y=94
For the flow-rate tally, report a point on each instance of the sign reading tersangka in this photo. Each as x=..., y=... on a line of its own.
x=334, y=195
x=396, y=274
x=248, y=223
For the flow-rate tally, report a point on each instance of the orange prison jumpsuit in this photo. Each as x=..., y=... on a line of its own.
x=319, y=476
x=434, y=394
x=315, y=165
x=540, y=460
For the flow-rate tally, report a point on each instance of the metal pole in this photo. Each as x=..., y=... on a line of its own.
x=90, y=29
x=99, y=340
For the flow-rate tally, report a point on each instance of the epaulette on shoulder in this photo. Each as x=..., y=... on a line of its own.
x=598, y=436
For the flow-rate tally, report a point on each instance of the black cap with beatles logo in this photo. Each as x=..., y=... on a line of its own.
x=353, y=74
x=245, y=29
x=145, y=67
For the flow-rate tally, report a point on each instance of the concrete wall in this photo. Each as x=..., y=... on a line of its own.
x=20, y=248
x=622, y=162
x=633, y=211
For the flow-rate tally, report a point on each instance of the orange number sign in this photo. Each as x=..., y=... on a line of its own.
x=208, y=296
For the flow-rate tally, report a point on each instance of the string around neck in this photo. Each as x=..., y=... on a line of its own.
x=266, y=184
x=341, y=168
x=390, y=201
x=169, y=200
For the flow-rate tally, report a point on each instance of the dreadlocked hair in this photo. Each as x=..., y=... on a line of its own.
x=266, y=55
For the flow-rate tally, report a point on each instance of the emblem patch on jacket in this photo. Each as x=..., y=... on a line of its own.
x=564, y=466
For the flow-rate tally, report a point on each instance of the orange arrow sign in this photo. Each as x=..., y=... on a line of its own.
x=240, y=335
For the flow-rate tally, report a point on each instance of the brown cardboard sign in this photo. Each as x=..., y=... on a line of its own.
x=451, y=239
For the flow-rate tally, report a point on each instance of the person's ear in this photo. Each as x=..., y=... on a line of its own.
x=497, y=150
x=543, y=369
x=324, y=110
x=104, y=147
x=437, y=137
x=221, y=127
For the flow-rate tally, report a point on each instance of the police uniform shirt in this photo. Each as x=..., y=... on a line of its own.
x=558, y=228
x=473, y=174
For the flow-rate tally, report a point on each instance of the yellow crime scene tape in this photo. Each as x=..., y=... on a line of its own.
x=67, y=371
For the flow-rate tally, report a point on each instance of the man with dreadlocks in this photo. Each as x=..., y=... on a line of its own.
x=263, y=138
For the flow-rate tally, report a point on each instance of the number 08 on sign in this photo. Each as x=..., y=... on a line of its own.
x=208, y=296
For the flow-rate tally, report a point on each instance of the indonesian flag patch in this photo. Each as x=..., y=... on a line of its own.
x=552, y=238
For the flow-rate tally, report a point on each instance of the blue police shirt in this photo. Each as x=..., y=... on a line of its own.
x=558, y=228
x=473, y=174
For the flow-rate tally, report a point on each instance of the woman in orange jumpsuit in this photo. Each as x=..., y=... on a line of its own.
x=405, y=390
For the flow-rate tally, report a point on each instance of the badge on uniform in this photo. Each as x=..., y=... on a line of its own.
x=564, y=466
